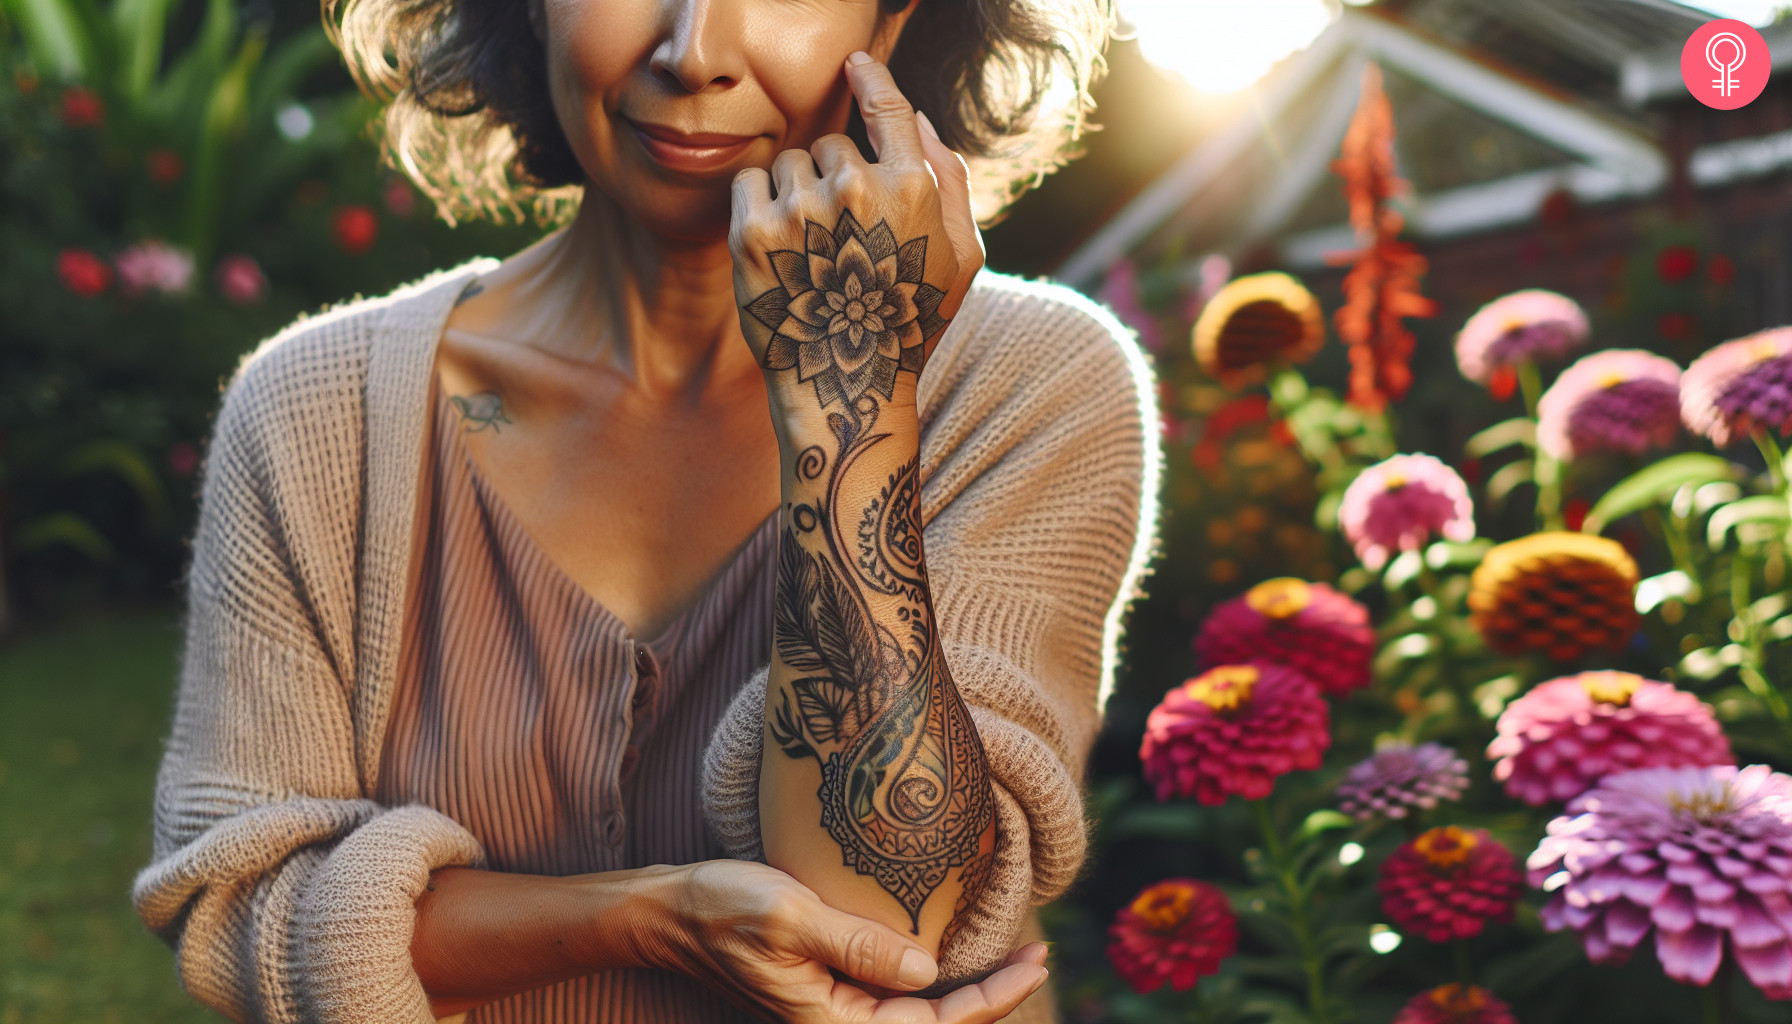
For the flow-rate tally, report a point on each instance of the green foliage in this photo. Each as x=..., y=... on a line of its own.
x=230, y=141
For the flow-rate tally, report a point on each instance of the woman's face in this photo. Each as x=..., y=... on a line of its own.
x=664, y=100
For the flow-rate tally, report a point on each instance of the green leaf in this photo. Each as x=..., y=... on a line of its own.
x=121, y=461
x=1764, y=508
x=54, y=35
x=1654, y=485
x=1522, y=430
x=64, y=528
x=1508, y=478
x=1321, y=821
x=139, y=25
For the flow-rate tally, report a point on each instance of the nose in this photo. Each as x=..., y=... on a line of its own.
x=695, y=51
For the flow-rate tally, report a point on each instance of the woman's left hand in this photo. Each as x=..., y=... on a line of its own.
x=847, y=272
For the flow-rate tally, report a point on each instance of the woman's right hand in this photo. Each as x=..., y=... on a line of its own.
x=767, y=942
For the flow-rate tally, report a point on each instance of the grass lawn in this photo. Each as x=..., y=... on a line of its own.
x=83, y=711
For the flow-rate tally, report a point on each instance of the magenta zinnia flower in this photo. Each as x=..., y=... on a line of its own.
x=1399, y=504
x=1309, y=627
x=1620, y=400
x=1523, y=327
x=1694, y=855
x=1234, y=729
x=1400, y=779
x=1449, y=882
x=1556, y=741
x=1176, y=931
x=1740, y=386
x=1454, y=1004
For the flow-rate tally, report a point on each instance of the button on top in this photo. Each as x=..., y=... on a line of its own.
x=645, y=663
x=610, y=826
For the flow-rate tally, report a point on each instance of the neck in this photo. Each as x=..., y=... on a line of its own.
x=660, y=310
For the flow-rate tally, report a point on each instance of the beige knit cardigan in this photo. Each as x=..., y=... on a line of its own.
x=289, y=895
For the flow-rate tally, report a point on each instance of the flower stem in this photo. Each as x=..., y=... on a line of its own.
x=1717, y=993
x=1465, y=965
x=1531, y=384
x=1297, y=913
x=1742, y=568
x=1546, y=470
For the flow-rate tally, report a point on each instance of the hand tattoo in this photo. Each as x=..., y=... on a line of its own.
x=905, y=790
x=852, y=309
x=480, y=411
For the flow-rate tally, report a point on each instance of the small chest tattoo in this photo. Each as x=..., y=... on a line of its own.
x=480, y=411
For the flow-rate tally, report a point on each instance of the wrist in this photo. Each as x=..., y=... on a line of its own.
x=800, y=420
x=628, y=917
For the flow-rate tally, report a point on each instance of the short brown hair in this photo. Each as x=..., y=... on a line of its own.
x=469, y=119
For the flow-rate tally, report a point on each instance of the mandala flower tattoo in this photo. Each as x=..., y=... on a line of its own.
x=851, y=310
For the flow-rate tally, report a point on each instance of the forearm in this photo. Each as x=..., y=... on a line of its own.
x=870, y=758
x=485, y=935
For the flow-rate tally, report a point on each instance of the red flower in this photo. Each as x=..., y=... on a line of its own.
x=164, y=165
x=1449, y=882
x=1176, y=931
x=83, y=273
x=1309, y=627
x=1676, y=326
x=398, y=197
x=1676, y=263
x=82, y=107
x=1234, y=729
x=183, y=459
x=1722, y=271
x=1575, y=512
x=355, y=228
x=240, y=278
x=1503, y=384
x=1454, y=1004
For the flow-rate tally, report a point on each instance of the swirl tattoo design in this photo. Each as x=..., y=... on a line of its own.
x=905, y=791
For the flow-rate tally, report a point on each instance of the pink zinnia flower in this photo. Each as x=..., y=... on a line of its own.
x=1740, y=386
x=1449, y=882
x=1523, y=327
x=1556, y=741
x=1399, y=504
x=1454, y=1004
x=1234, y=730
x=1621, y=400
x=1175, y=931
x=1401, y=779
x=1308, y=627
x=1694, y=855
x=156, y=265
x=240, y=279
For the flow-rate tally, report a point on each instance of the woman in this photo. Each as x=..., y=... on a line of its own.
x=512, y=612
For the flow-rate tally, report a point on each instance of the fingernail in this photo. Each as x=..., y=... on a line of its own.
x=918, y=969
x=927, y=126
x=1037, y=985
x=857, y=57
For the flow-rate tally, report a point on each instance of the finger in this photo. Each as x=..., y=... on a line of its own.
x=954, y=177
x=750, y=195
x=792, y=171
x=889, y=120
x=833, y=152
x=865, y=950
x=992, y=998
x=1032, y=953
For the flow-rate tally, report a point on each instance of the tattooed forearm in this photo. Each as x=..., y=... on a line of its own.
x=862, y=686
x=480, y=411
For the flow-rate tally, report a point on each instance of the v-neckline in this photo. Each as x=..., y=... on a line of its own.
x=664, y=643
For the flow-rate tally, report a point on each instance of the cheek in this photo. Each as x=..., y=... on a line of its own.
x=800, y=69
x=593, y=47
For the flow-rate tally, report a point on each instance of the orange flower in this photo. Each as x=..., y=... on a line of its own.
x=1253, y=322
x=1562, y=594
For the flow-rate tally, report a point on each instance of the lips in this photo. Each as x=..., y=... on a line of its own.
x=689, y=152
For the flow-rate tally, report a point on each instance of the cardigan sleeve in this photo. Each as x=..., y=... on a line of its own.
x=1040, y=508
x=286, y=893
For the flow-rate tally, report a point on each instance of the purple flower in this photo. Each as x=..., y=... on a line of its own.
x=1400, y=779
x=1399, y=504
x=156, y=265
x=1522, y=327
x=1740, y=386
x=1694, y=855
x=1556, y=741
x=1622, y=400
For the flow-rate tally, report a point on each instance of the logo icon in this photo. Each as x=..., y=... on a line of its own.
x=1725, y=64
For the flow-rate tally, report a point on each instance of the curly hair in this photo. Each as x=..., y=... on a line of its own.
x=469, y=120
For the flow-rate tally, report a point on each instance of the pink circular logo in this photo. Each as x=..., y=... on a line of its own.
x=1725, y=64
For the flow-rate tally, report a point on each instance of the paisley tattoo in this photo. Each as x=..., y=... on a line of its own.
x=481, y=411
x=852, y=309
x=905, y=790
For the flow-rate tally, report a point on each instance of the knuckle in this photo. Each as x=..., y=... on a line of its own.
x=852, y=182
x=886, y=103
x=863, y=953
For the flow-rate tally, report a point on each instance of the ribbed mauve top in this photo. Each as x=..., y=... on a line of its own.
x=526, y=712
